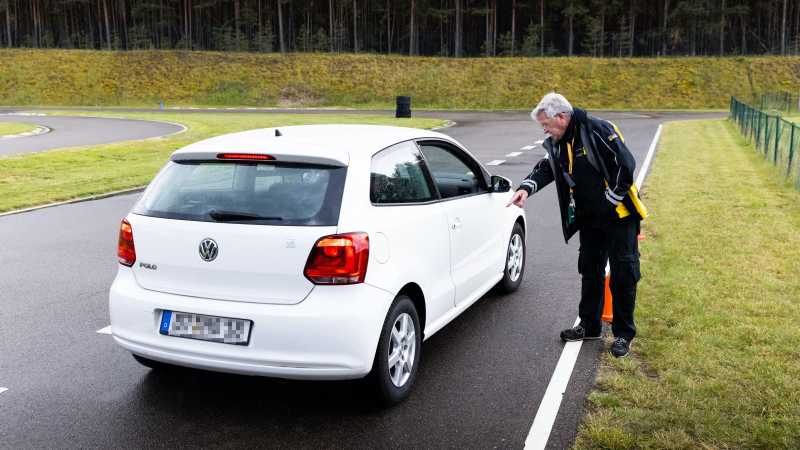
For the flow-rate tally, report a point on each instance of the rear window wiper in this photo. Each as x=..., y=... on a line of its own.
x=232, y=216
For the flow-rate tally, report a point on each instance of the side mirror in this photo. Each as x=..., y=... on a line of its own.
x=500, y=184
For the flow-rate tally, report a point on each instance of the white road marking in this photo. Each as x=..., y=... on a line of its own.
x=528, y=147
x=548, y=409
x=496, y=162
x=106, y=330
x=539, y=141
x=648, y=159
x=542, y=425
x=35, y=132
x=514, y=154
x=2, y=389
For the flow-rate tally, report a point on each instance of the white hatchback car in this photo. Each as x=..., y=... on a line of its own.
x=312, y=252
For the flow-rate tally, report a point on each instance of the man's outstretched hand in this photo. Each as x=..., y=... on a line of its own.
x=519, y=198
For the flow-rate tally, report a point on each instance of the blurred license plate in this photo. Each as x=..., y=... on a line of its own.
x=205, y=328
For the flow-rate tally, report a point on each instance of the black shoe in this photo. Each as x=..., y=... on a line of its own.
x=620, y=347
x=578, y=333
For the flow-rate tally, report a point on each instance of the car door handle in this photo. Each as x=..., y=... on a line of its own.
x=456, y=225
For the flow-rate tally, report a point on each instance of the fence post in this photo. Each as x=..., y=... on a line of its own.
x=757, y=129
x=791, y=152
x=760, y=131
x=777, y=138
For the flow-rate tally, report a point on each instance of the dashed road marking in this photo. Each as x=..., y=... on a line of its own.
x=496, y=162
x=539, y=141
x=2, y=389
x=528, y=147
x=513, y=154
x=106, y=330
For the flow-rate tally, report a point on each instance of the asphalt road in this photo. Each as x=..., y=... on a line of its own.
x=75, y=131
x=481, y=381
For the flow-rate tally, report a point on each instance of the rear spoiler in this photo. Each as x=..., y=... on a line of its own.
x=301, y=159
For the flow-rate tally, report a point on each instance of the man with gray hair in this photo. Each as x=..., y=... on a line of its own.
x=593, y=173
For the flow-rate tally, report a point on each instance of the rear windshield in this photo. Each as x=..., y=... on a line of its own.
x=245, y=192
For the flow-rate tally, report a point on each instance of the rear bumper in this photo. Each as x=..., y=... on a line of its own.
x=332, y=334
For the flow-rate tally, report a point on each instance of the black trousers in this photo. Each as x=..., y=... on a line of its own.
x=618, y=242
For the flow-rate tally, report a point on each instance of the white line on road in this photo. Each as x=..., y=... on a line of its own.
x=542, y=425
x=496, y=162
x=528, y=147
x=548, y=408
x=514, y=154
x=2, y=389
x=539, y=141
x=106, y=330
x=648, y=159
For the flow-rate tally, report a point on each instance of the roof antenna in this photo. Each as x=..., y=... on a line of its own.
x=278, y=132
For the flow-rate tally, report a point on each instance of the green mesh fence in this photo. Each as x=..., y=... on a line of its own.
x=773, y=136
x=784, y=102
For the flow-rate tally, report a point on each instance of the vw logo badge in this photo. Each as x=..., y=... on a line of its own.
x=208, y=249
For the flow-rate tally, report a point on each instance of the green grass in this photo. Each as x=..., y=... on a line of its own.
x=716, y=363
x=180, y=78
x=8, y=128
x=40, y=178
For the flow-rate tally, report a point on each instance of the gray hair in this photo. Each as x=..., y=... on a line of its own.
x=552, y=104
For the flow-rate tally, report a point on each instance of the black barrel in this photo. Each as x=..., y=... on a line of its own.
x=403, y=107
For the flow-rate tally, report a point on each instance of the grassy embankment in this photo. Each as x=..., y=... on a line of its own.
x=39, y=178
x=716, y=363
x=144, y=78
x=9, y=128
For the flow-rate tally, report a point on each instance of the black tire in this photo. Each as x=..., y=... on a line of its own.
x=509, y=284
x=388, y=393
x=154, y=365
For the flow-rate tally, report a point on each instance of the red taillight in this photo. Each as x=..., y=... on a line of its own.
x=125, y=250
x=246, y=156
x=339, y=259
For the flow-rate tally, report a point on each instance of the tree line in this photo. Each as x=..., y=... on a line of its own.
x=457, y=28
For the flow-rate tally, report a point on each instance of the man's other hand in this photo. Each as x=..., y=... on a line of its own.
x=519, y=198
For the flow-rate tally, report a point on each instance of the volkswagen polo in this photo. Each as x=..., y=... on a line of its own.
x=312, y=252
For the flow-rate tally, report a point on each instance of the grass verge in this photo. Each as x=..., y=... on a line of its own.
x=716, y=363
x=8, y=128
x=179, y=78
x=56, y=175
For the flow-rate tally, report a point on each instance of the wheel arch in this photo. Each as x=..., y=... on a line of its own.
x=521, y=221
x=414, y=292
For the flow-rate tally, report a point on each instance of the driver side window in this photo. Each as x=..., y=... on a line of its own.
x=452, y=175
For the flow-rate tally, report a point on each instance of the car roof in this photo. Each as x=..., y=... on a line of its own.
x=330, y=143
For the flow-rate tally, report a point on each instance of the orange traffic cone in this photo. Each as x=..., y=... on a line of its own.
x=608, y=311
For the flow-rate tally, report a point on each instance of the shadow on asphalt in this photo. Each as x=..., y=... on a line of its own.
x=240, y=398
